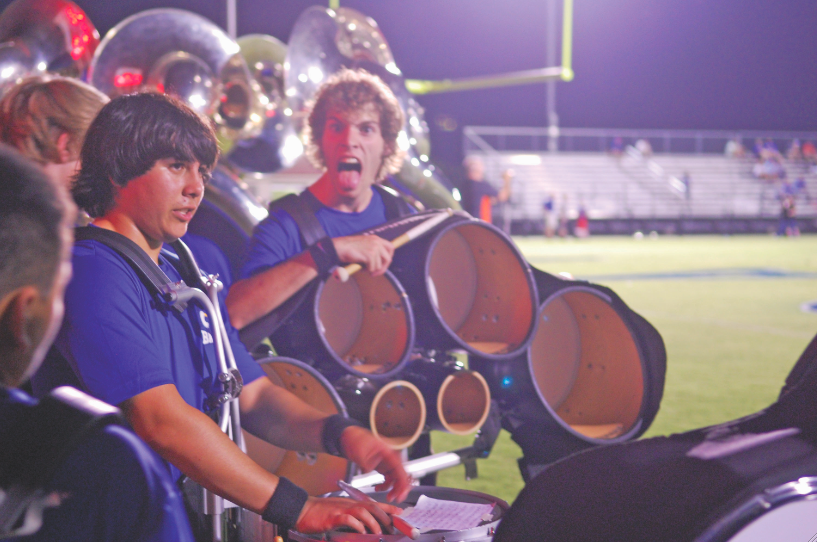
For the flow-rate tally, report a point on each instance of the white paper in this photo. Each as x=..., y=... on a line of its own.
x=431, y=513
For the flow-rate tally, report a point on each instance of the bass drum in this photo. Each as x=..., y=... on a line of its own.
x=316, y=473
x=482, y=533
x=785, y=512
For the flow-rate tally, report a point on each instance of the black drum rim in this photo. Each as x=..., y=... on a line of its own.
x=801, y=489
x=438, y=234
x=410, y=332
x=635, y=429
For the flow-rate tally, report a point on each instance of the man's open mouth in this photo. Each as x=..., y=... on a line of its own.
x=349, y=165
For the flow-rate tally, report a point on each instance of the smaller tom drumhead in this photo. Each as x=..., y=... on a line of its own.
x=316, y=473
x=366, y=324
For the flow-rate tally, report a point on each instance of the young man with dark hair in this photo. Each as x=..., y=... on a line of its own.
x=109, y=485
x=145, y=162
x=353, y=129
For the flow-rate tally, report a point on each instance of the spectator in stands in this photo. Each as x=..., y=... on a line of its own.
x=643, y=146
x=686, y=180
x=478, y=194
x=617, y=146
x=551, y=217
x=793, y=152
x=809, y=152
x=734, y=149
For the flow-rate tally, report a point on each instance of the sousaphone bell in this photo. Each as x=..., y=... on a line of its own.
x=181, y=53
x=45, y=36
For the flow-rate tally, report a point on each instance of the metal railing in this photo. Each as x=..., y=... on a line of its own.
x=517, y=138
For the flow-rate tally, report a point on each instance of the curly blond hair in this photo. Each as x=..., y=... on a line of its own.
x=36, y=111
x=349, y=90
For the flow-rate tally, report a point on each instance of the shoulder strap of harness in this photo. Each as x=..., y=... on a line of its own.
x=302, y=208
x=38, y=445
x=396, y=207
x=151, y=275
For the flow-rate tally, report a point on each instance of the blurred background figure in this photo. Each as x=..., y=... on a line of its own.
x=788, y=216
x=550, y=216
x=46, y=117
x=582, y=227
x=478, y=194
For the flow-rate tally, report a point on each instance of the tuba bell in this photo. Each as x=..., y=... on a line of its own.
x=278, y=145
x=45, y=36
x=181, y=53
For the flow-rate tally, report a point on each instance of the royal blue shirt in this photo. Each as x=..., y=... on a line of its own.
x=120, y=342
x=277, y=238
x=118, y=488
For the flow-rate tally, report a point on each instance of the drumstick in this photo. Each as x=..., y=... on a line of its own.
x=386, y=519
x=343, y=273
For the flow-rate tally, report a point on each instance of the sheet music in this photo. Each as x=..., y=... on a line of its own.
x=431, y=513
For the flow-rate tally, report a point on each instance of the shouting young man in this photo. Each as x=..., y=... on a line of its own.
x=352, y=129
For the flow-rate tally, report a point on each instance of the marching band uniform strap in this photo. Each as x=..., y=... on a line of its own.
x=302, y=208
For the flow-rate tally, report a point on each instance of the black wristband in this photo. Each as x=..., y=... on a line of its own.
x=285, y=505
x=324, y=254
x=332, y=430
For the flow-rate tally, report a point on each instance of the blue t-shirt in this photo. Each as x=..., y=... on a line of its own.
x=119, y=489
x=120, y=343
x=277, y=239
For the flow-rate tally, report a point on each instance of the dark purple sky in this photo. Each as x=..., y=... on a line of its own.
x=722, y=64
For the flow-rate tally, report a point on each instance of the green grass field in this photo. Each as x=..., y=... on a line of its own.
x=732, y=331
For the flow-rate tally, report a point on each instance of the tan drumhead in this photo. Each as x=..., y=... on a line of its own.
x=316, y=473
x=585, y=365
x=481, y=288
x=398, y=414
x=463, y=402
x=365, y=322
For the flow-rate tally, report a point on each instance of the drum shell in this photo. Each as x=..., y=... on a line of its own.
x=607, y=365
x=469, y=257
x=317, y=473
x=372, y=403
x=385, y=333
x=458, y=400
x=483, y=533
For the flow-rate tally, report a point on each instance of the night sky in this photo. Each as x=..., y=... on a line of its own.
x=719, y=64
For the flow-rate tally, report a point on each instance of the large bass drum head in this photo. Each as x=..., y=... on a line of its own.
x=586, y=366
x=316, y=473
x=481, y=289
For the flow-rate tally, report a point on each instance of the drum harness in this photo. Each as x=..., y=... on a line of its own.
x=194, y=286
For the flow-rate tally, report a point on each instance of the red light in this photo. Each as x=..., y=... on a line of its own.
x=83, y=35
x=127, y=79
x=160, y=87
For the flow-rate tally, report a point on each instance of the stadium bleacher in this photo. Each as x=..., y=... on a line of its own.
x=628, y=191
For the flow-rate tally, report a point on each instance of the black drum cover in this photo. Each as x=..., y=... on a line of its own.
x=593, y=374
x=704, y=485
